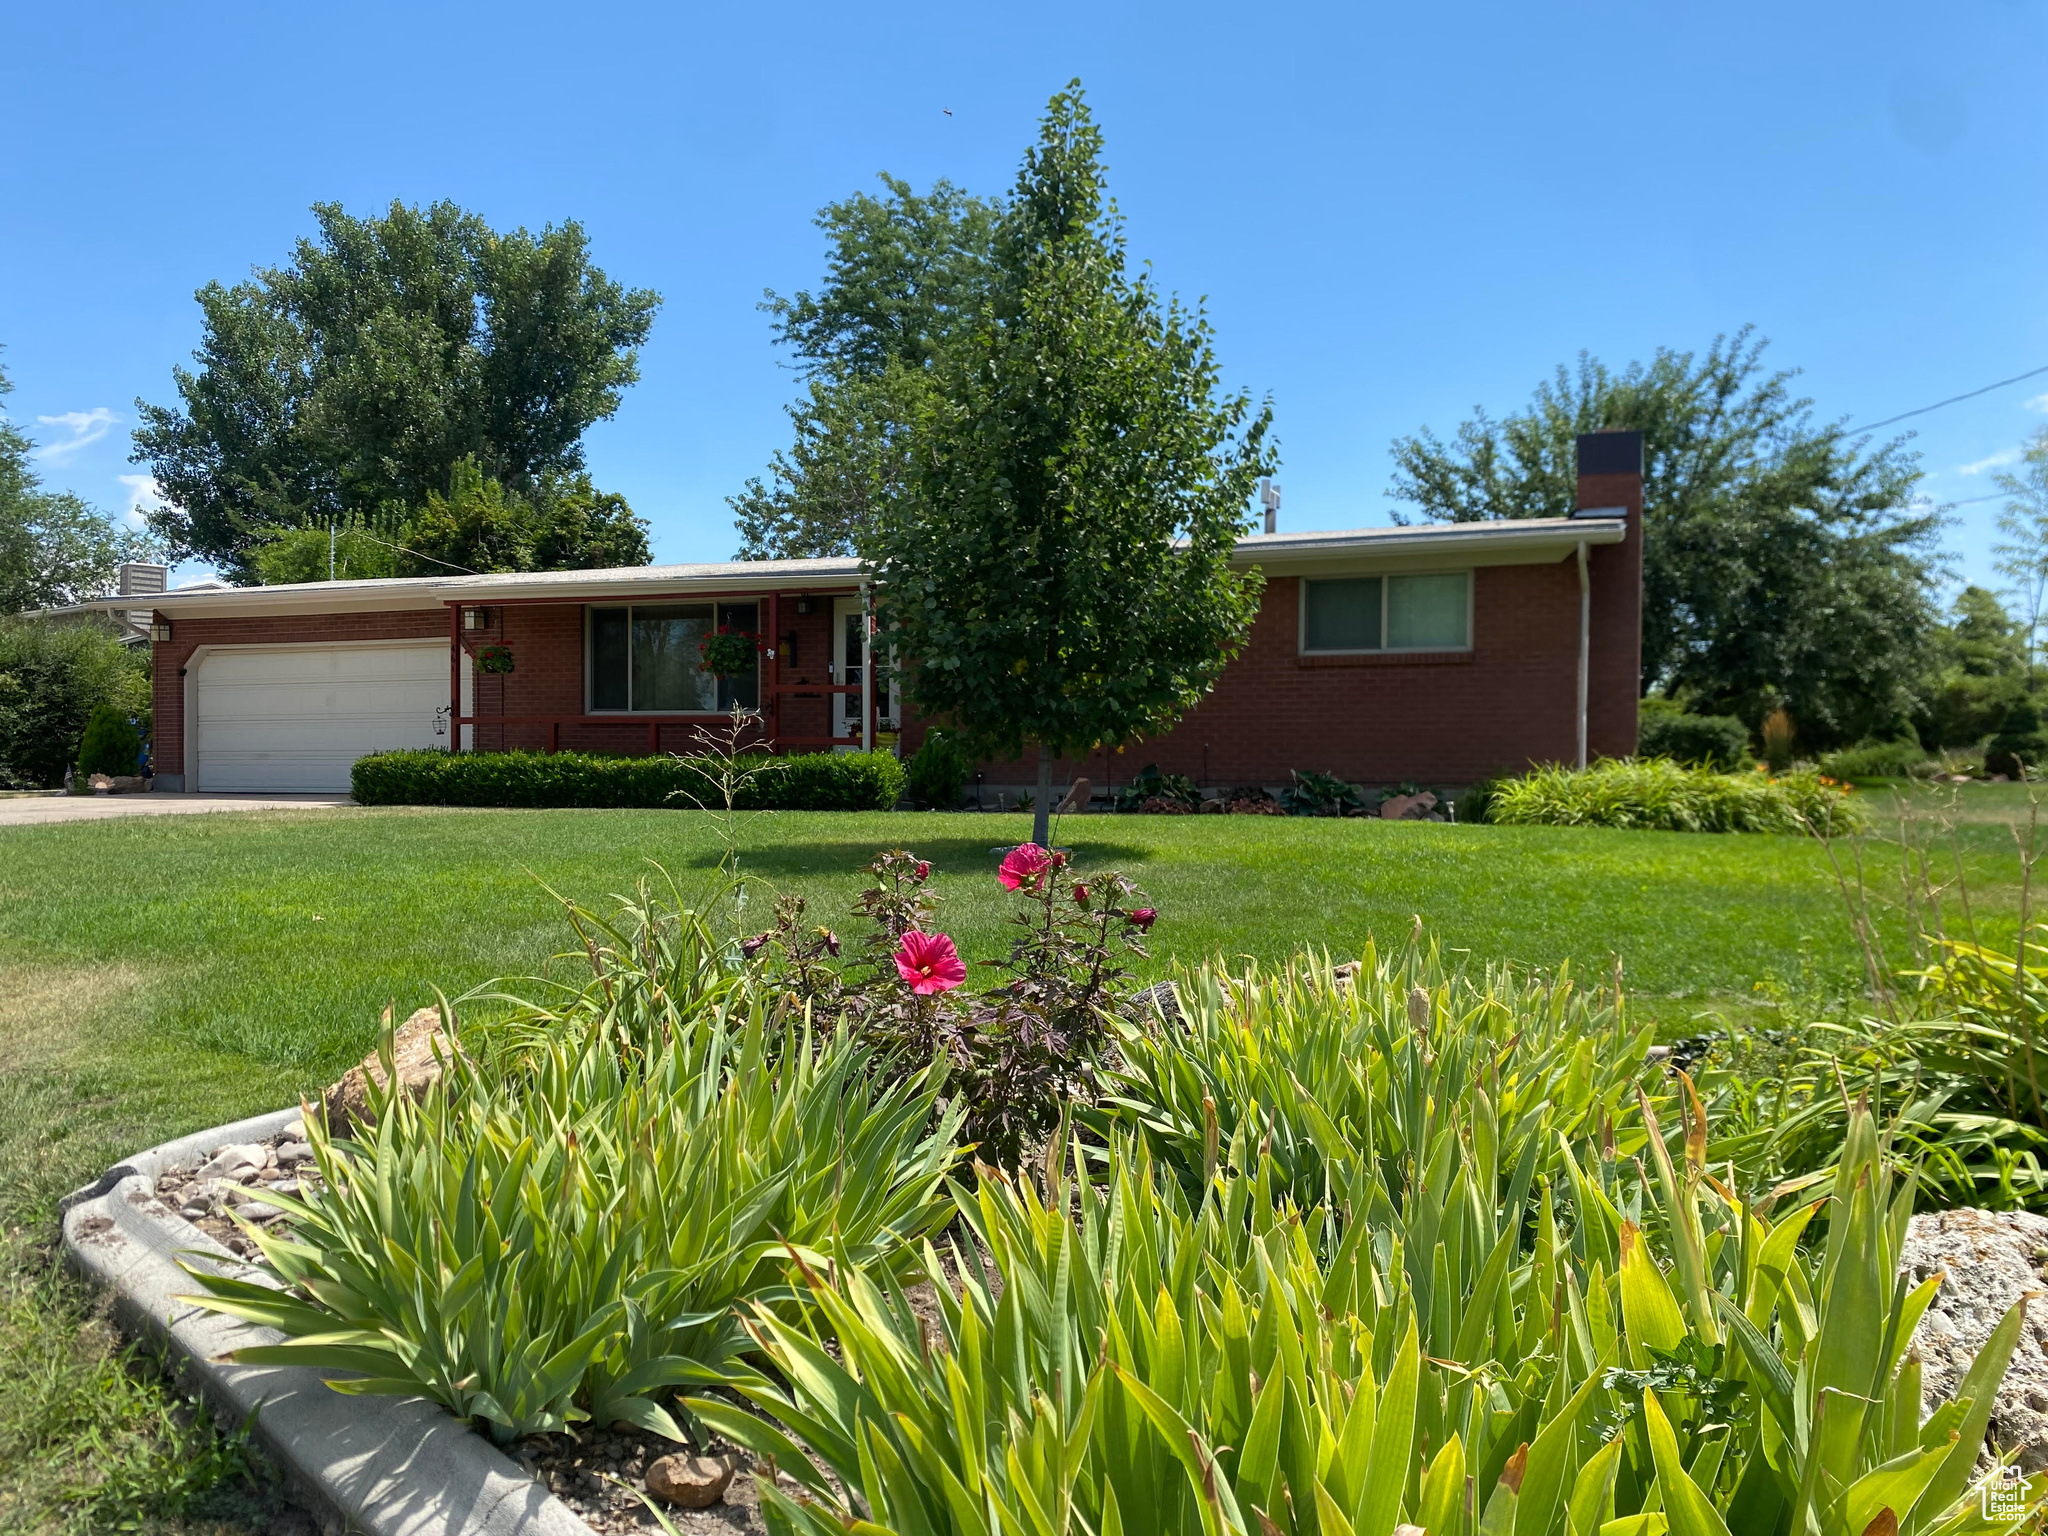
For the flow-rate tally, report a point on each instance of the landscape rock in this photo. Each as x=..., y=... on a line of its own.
x=690, y=1482
x=1989, y=1260
x=239, y=1163
x=292, y=1153
x=412, y=1057
x=1408, y=807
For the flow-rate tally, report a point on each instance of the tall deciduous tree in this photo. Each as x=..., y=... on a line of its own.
x=906, y=273
x=1783, y=563
x=354, y=379
x=1059, y=572
x=2022, y=554
x=54, y=548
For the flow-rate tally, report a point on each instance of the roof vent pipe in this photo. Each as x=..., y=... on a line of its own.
x=1269, y=495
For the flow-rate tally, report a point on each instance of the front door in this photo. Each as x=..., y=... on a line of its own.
x=846, y=668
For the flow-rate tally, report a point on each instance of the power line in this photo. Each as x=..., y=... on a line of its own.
x=1953, y=399
x=365, y=534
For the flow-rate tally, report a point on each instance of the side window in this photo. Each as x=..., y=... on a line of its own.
x=1429, y=613
x=1344, y=615
x=1341, y=615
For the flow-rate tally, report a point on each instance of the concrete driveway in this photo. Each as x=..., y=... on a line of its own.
x=34, y=810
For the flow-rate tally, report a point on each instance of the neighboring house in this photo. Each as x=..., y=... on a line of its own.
x=1438, y=654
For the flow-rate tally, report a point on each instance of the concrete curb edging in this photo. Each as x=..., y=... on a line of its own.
x=384, y=1466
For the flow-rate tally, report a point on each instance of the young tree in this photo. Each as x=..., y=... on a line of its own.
x=1782, y=562
x=54, y=548
x=387, y=350
x=2022, y=556
x=905, y=274
x=1059, y=572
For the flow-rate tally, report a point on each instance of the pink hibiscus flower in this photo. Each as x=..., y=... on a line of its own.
x=1023, y=866
x=930, y=963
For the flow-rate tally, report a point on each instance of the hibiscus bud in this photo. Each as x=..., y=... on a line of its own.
x=1143, y=918
x=1080, y=894
x=1059, y=860
x=924, y=871
x=831, y=942
x=752, y=947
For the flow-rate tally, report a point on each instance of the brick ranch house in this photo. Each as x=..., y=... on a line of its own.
x=1437, y=654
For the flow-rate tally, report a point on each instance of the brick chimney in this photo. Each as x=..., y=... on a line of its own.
x=1610, y=472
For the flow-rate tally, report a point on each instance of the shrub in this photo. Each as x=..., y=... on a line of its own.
x=52, y=678
x=1321, y=794
x=1657, y=794
x=111, y=745
x=1175, y=789
x=938, y=773
x=1712, y=741
x=2020, y=743
x=1020, y=1052
x=557, y=1230
x=822, y=781
x=1476, y=803
x=1875, y=760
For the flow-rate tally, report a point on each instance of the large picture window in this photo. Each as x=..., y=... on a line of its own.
x=1387, y=613
x=647, y=659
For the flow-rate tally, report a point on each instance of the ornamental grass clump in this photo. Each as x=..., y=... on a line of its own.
x=1656, y=794
x=1234, y=1364
x=560, y=1227
x=1397, y=1085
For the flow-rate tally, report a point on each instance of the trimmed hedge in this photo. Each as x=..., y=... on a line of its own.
x=1712, y=741
x=820, y=781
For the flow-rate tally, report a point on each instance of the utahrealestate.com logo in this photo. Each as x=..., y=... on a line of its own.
x=2007, y=1496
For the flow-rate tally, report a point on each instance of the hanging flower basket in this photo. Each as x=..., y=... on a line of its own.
x=494, y=658
x=730, y=652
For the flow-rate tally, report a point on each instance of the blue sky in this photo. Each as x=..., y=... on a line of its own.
x=1395, y=213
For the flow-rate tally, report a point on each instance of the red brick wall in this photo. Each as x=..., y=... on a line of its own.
x=1441, y=718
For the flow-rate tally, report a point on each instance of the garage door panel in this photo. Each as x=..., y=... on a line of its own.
x=296, y=718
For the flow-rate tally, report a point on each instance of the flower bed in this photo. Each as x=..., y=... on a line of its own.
x=1394, y=1242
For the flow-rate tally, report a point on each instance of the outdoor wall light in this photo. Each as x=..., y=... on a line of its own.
x=476, y=618
x=160, y=631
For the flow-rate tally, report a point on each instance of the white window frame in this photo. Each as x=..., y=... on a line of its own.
x=590, y=657
x=1301, y=644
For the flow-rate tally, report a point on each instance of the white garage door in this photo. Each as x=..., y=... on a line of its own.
x=288, y=718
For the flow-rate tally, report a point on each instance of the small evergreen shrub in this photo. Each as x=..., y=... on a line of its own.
x=1712, y=741
x=1656, y=794
x=1875, y=760
x=2020, y=743
x=111, y=745
x=821, y=781
x=938, y=772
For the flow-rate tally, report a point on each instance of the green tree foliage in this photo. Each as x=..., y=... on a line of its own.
x=52, y=677
x=111, y=745
x=2020, y=742
x=1060, y=572
x=54, y=548
x=905, y=275
x=1781, y=565
x=1980, y=670
x=387, y=351
x=478, y=526
x=2022, y=555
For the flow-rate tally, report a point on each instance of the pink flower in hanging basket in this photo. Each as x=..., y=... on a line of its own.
x=1023, y=866
x=930, y=963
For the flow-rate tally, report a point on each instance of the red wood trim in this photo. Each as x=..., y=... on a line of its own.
x=454, y=679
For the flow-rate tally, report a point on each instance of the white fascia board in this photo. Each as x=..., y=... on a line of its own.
x=429, y=593
x=1531, y=541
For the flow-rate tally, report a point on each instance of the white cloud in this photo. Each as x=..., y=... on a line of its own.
x=1997, y=460
x=143, y=497
x=2038, y=403
x=85, y=427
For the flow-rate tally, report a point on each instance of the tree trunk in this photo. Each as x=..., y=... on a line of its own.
x=1041, y=807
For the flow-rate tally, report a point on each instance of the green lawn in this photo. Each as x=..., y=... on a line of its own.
x=161, y=974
